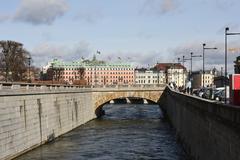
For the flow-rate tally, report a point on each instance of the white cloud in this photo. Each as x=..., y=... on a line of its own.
x=40, y=11
x=45, y=52
x=138, y=59
x=213, y=58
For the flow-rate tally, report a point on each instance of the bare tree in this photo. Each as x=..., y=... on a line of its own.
x=80, y=80
x=58, y=72
x=81, y=73
x=13, y=60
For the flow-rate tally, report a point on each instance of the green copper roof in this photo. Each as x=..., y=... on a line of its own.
x=86, y=63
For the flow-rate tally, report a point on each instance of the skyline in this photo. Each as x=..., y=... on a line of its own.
x=148, y=31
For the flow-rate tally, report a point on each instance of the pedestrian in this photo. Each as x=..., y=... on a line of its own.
x=189, y=87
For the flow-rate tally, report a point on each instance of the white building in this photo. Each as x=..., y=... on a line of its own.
x=177, y=76
x=174, y=72
x=144, y=76
x=199, y=79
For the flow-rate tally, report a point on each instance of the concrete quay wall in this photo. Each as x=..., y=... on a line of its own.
x=27, y=121
x=208, y=130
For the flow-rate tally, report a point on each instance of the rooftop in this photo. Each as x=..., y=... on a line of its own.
x=165, y=66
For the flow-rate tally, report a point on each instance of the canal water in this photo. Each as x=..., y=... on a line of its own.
x=126, y=132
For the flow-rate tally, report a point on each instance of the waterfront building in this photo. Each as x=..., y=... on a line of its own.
x=197, y=78
x=109, y=74
x=149, y=76
x=174, y=72
x=93, y=72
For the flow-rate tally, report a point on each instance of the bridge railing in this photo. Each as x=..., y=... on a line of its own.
x=15, y=87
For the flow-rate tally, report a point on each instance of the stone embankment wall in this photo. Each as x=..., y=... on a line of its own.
x=208, y=130
x=33, y=115
x=27, y=121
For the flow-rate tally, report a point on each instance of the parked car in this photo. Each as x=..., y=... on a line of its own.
x=196, y=92
x=220, y=95
x=204, y=92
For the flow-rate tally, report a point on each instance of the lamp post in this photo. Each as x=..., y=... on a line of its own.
x=174, y=73
x=192, y=59
x=178, y=70
x=227, y=34
x=29, y=65
x=184, y=60
x=204, y=48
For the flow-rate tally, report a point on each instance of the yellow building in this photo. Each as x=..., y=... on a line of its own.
x=199, y=80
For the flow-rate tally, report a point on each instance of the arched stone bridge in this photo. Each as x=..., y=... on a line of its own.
x=40, y=113
x=104, y=95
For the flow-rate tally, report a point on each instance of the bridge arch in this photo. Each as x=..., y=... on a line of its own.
x=102, y=98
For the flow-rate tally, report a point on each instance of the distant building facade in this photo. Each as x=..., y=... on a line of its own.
x=93, y=72
x=149, y=76
x=109, y=74
x=174, y=72
x=219, y=81
x=198, y=78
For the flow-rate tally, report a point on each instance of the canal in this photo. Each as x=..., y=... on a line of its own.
x=132, y=131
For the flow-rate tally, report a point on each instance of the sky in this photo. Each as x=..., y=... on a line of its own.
x=141, y=32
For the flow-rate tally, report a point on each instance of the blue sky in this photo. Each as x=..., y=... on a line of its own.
x=148, y=31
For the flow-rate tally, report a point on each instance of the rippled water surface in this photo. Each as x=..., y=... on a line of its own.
x=125, y=132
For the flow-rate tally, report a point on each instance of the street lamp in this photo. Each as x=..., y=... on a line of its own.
x=192, y=59
x=178, y=70
x=227, y=34
x=184, y=60
x=174, y=73
x=204, y=47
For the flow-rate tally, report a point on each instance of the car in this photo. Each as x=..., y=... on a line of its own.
x=196, y=92
x=203, y=92
x=220, y=95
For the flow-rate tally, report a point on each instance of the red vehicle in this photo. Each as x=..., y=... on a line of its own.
x=235, y=89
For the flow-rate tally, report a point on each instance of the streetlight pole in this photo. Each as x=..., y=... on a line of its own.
x=183, y=72
x=204, y=47
x=174, y=73
x=203, y=64
x=185, y=59
x=191, y=63
x=192, y=59
x=227, y=34
x=178, y=70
